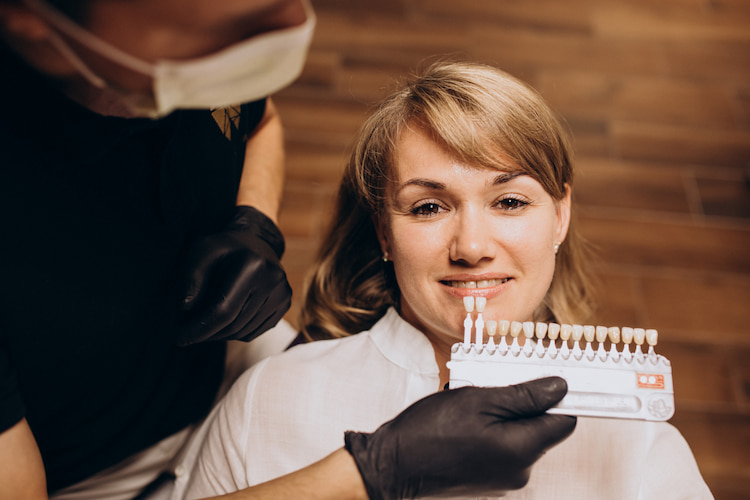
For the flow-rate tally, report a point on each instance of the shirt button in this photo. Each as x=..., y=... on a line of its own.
x=179, y=471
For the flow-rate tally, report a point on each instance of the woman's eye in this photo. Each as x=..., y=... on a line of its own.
x=426, y=209
x=512, y=203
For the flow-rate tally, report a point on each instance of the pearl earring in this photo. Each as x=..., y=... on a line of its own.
x=385, y=256
x=557, y=247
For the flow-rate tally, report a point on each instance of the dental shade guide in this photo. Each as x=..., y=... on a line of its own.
x=615, y=382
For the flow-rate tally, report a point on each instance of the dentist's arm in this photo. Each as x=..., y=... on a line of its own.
x=22, y=475
x=233, y=285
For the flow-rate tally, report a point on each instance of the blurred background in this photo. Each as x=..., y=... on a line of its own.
x=657, y=94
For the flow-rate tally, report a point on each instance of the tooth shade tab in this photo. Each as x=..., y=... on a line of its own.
x=553, y=331
x=503, y=327
x=627, y=334
x=652, y=337
x=541, y=330
x=639, y=335
x=589, y=333
x=491, y=326
x=528, y=329
x=614, y=334
x=565, y=332
x=469, y=303
x=481, y=302
x=515, y=328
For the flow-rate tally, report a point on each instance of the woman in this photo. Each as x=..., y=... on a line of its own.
x=459, y=185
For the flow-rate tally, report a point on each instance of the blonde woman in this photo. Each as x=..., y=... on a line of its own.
x=459, y=185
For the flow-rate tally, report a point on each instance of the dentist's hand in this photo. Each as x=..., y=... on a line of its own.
x=233, y=286
x=463, y=442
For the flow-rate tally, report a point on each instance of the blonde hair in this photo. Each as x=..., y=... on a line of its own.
x=474, y=111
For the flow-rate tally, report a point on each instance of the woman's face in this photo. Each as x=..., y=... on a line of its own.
x=453, y=229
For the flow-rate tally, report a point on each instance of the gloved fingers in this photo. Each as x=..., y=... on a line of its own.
x=222, y=295
x=545, y=432
x=247, y=297
x=263, y=308
x=200, y=263
x=527, y=399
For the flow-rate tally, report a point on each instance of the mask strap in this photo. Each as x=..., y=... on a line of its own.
x=76, y=61
x=86, y=38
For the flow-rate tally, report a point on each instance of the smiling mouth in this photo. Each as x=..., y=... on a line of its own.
x=476, y=284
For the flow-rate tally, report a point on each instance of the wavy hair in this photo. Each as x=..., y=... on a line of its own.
x=474, y=111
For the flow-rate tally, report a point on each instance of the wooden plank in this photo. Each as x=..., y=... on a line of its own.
x=721, y=444
x=670, y=245
x=519, y=47
x=629, y=185
x=346, y=34
x=708, y=60
x=646, y=141
x=703, y=373
x=698, y=307
x=571, y=15
x=617, y=301
x=725, y=197
x=643, y=99
x=658, y=21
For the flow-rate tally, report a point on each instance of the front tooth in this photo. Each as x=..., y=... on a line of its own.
x=601, y=334
x=528, y=329
x=639, y=334
x=652, y=336
x=565, y=332
x=614, y=334
x=503, y=326
x=627, y=334
x=469, y=303
x=515, y=328
x=553, y=331
x=491, y=327
x=483, y=284
x=541, y=330
x=589, y=333
x=470, y=284
x=481, y=302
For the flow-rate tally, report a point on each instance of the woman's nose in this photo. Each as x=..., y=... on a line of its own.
x=472, y=240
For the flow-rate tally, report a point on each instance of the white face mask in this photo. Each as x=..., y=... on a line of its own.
x=244, y=72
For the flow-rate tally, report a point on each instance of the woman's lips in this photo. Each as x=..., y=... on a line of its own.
x=477, y=283
x=478, y=288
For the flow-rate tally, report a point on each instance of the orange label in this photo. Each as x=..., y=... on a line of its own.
x=650, y=381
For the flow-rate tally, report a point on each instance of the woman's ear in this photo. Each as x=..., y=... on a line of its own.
x=563, y=215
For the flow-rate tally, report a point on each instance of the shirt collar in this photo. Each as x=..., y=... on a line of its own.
x=403, y=344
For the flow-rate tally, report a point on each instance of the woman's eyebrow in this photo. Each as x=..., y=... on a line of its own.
x=422, y=182
x=507, y=176
x=440, y=186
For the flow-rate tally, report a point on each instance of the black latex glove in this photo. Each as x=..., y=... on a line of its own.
x=464, y=442
x=233, y=286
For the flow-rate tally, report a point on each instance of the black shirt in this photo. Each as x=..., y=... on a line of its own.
x=95, y=214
